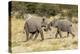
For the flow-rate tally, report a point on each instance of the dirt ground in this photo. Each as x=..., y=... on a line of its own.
x=50, y=43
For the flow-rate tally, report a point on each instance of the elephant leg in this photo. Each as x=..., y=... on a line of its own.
x=36, y=35
x=41, y=33
x=72, y=34
x=31, y=36
x=58, y=32
x=27, y=36
x=67, y=34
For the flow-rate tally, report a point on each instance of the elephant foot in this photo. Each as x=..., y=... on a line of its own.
x=61, y=37
x=55, y=36
x=42, y=40
x=73, y=36
x=34, y=39
x=26, y=40
x=67, y=36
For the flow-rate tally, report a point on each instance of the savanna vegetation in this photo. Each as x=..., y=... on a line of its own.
x=38, y=10
x=43, y=9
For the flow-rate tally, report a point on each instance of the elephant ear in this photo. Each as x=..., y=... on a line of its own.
x=27, y=17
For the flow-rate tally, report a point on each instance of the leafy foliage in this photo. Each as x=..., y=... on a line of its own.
x=43, y=9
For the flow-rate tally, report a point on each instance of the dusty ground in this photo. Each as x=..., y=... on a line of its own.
x=49, y=44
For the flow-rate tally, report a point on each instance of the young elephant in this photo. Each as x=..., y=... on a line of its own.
x=61, y=25
x=33, y=27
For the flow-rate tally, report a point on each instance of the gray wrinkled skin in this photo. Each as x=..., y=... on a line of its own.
x=34, y=26
x=61, y=25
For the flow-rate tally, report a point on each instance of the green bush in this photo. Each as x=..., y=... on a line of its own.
x=43, y=9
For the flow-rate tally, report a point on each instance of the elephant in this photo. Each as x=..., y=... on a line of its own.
x=34, y=26
x=61, y=25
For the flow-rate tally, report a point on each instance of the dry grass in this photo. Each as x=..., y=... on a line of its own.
x=50, y=43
